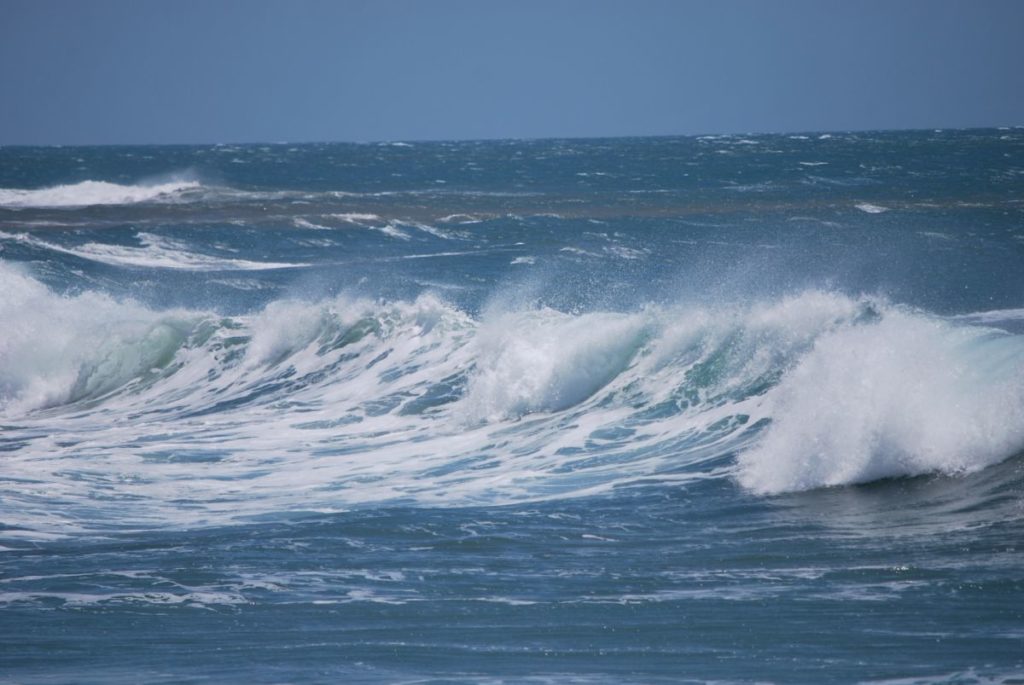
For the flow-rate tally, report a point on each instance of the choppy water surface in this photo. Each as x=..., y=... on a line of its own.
x=732, y=408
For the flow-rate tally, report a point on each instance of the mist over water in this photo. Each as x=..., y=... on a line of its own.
x=605, y=409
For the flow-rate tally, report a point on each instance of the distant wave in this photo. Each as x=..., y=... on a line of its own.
x=97, y=193
x=156, y=252
x=869, y=208
x=89, y=193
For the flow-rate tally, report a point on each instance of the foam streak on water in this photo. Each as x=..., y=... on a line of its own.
x=88, y=193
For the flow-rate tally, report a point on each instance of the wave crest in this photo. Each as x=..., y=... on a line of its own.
x=154, y=252
x=60, y=350
x=902, y=396
x=345, y=401
x=90, y=193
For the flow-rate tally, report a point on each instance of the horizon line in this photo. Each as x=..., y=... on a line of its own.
x=383, y=141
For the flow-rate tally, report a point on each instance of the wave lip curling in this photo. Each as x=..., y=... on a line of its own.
x=903, y=396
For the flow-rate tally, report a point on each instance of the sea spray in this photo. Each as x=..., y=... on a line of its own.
x=905, y=395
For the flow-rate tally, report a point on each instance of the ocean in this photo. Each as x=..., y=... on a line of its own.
x=717, y=409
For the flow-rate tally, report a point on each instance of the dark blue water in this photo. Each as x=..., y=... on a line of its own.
x=731, y=408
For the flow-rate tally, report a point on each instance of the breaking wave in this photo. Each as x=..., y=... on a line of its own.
x=907, y=395
x=348, y=402
x=89, y=193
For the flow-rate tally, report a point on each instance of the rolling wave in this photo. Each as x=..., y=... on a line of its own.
x=321, y=406
x=90, y=193
x=905, y=396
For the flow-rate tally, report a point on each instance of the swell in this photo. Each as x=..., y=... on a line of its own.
x=348, y=402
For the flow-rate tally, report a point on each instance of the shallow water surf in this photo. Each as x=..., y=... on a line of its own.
x=586, y=420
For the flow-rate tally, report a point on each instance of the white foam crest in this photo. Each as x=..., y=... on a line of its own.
x=547, y=361
x=360, y=218
x=299, y=222
x=56, y=349
x=375, y=223
x=392, y=231
x=902, y=396
x=157, y=252
x=431, y=230
x=298, y=408
x=994, y=316
x=284, y=327
x=720, y=352
x=460, y=219
x=323, y=406
x=89, y=193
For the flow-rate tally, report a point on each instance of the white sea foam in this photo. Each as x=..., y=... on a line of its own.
x=57, y=349
x=547, y=360
x=299, y=222
x=460, y=219
x=156, y=251
x=905, y=395
x=89, y=193
x=357, y=217
x=326, y=405
x=624, y=252
x=431, y=255
x=431, y=230
x=994, y=316
x=750, y=187
x=375, y=223
x=869, y=208
x=392, y=231
x=579, y=251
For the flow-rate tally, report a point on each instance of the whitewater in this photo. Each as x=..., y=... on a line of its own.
x=539, y=411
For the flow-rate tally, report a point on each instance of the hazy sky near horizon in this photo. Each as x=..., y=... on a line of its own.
x=146, y=71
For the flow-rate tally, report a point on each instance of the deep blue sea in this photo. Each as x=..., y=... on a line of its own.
x=724, y=409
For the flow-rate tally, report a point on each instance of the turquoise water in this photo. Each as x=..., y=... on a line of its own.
x=730, y=408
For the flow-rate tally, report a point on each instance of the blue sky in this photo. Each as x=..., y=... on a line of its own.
x=142, y=71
